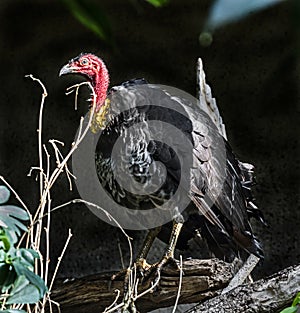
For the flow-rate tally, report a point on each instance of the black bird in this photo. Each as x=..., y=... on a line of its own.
x=218, y=187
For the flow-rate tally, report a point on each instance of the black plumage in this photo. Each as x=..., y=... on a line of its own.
x=224, y=222
x=170, y=148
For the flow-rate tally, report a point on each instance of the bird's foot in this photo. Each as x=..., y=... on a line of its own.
x=142, y=267
x=155, y=269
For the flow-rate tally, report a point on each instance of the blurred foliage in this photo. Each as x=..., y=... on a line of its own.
x=227, y=11
x=158, y=3
x=92, y=16
x=295, y=305
x=18, y=282
x=222, y=12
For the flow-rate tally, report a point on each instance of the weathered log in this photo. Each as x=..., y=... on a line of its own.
x=202, y=279
x=268, y=295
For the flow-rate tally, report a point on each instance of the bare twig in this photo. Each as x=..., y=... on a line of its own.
x=59, y=260
x=179, y=285
x=44, y=95
x=107, y=214
x=114, y=302
x=47, y=180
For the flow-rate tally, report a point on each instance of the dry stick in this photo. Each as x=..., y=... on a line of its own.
x=39, y=130
x=59, y=156
x=40, y=152
x=61, y=166
x=4, y=297
x=107, y=214
x=114, y=302
x=40, y=210
x=47, y=230
x=179, y=286
x=46, y=185
x=120, y=252
x=149, y=289
x=120, y=305
x=59, y=169
x=48, y=163
x=57, y=305
x=59, y=260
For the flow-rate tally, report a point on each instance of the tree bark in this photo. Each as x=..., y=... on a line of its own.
x=202, y=280
x=266, y=295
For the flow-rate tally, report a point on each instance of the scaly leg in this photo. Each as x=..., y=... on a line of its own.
x=141, y=266
x=144, y=267
x=169, y=254
x=141, y=262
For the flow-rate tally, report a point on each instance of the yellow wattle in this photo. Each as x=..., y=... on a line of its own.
x=100, y=118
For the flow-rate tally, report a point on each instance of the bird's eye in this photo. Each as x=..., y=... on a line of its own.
x=84, y=61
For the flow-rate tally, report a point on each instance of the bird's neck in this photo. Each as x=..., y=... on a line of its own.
x=100, y=84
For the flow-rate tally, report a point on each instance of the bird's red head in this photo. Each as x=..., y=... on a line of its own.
x=94, y=69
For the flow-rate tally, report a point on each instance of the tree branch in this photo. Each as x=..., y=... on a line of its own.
x=270, y=294
x=202, y=279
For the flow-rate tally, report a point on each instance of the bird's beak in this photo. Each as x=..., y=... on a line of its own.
x=67, y=69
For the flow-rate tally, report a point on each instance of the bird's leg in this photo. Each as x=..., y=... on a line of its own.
x=169, y=254
x=140, y=266
x=141, y=262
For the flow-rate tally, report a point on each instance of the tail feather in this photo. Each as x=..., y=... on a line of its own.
x=207, y=102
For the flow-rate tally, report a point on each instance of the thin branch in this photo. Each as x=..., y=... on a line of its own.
x=44, y=95
x=179, y=286
x=202, y=279
x=114, y=302
x=269, y=294
x=59, y=260
x=108, y=215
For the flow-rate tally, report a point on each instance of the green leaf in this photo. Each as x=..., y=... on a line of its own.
x=296, y=300
x=20, y=283
x=27, y=257
x=9, y=220
x=32, y=277
x=291, y=309
x=28, y=294
x=4, y=194
x=4, y=240
x=2, y=256
x=92, y=16
x=158, y=3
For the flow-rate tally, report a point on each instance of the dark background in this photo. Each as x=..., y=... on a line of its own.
x=252, y=67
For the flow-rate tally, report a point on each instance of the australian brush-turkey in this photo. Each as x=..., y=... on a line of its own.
x=218, y=212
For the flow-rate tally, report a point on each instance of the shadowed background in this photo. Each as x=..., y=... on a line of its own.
x=252, y=67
